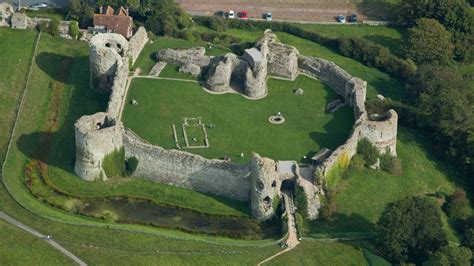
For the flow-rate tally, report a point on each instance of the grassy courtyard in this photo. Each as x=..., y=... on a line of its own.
x=241, y=125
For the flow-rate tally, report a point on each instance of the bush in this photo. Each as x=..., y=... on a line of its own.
x=53, y=27
x=410, y=230
x=42, y=26
x=390, y=164
x=357, y=163
x=329, y=207
x=368, y=151
x=450, y=255
x=131, y=165
x=114, y=163
x=74, y=29
x=457, y=205
x=301, y=200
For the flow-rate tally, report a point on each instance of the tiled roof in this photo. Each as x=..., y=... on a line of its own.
x=120, y=23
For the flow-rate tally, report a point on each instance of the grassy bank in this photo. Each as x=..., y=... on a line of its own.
x=16, y=53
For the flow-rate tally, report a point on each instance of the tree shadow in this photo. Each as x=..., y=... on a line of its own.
x=390, y=87
x=393, y=44
x=340, y=225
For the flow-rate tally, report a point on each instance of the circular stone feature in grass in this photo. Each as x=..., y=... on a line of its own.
x=276, y=119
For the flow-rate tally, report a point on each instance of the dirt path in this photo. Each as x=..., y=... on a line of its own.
x=292, y=239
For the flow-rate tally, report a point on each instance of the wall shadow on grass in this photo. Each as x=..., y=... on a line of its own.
x=58, y=67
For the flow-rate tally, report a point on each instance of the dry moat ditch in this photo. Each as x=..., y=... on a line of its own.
x=132, y=210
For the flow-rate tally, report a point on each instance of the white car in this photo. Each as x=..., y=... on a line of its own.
x=231, y=14
x=269, y=16
x=39, y=5
x=341, y=18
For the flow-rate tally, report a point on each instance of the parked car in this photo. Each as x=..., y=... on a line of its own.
x=244, y=14
x=353, y=18
x=39, y=5
x=231, y=14
x=220, y=13
x=268, y=16
x=341, y=18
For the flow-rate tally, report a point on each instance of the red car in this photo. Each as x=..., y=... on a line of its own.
x=244, y=14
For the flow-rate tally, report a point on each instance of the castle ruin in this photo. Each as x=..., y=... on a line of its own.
x=259, y=181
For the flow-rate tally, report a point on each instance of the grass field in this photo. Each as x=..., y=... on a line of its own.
x=18, y=247
x=17, y=50
x=311, y=252
x=241, y=125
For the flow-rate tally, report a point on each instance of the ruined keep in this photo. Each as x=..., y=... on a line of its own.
x=259, y=181
x=105, y=57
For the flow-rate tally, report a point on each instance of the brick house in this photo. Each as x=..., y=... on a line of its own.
x=116, y=21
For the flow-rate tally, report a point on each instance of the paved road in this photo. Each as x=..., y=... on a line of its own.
x=32, y=231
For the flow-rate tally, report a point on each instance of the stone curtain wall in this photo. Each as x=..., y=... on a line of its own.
x=118, y=97
x=382, y=131
x=136, y=43
x=187, y=170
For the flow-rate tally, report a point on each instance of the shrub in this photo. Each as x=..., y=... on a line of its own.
x=114, y=163
x=390, y=164
x=357, y=163
x=409, y=230
x=450, y=255
x=301, y=200
x=74, y=29
x=131, y=165
x=329, y=205
x=457, y=205
x=42, y=26
x=368, y=151
x=53, y=27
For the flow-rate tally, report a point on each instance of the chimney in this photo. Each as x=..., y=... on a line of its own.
x=126, y=11
x=100, y=10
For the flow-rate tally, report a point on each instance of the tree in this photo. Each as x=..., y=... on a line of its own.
x=370, y=154
x=53, y=27
x=409, y=230
x=450, y=255
x=80, y=11
x=167, y=18
x=429, y=43
x=455, y=15
x=457, y=205
x=74, y=29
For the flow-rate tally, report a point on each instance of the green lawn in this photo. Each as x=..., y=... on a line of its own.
x=311, y=252
x=17, y=50
x=241, y=125
x=172, y=71
x=386, y=36
x=147, y=58
x=17, y=247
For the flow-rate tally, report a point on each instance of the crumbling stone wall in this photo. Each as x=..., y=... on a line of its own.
x=136, y=43
x=6, y=10
x=265, y=186
x=380, y=130
x=19, y=21
x=96, y=136
x=187, y=170
x=107, y=52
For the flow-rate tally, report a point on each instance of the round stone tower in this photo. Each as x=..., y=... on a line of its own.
x=381, y=130
x=106, y=53
x=97, y=136
x=264, y=187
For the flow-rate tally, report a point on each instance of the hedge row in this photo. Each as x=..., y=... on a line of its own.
x=370, y=54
